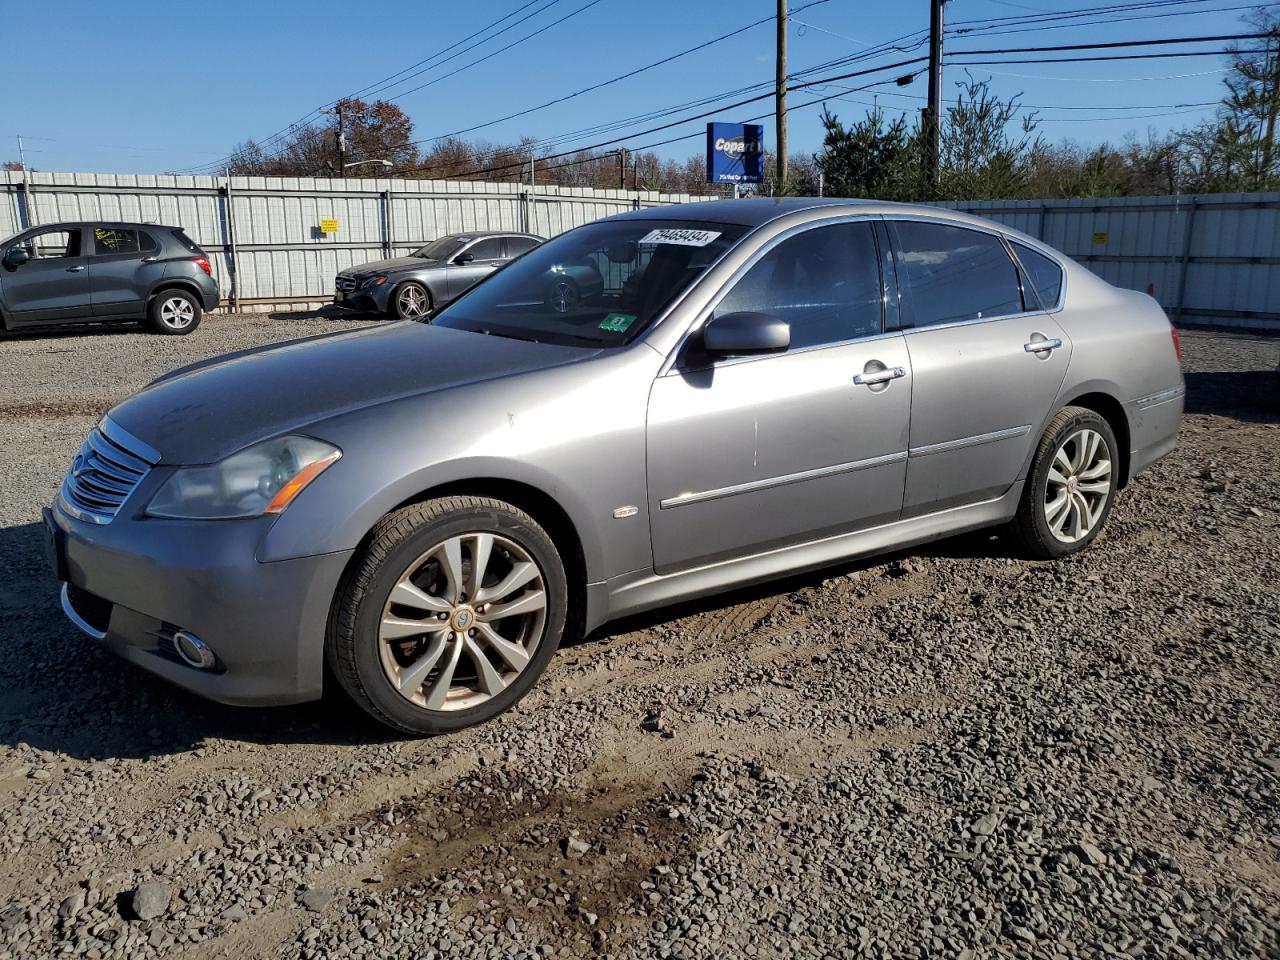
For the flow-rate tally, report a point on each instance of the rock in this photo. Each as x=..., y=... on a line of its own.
x=985, y=826
x=151, y=900
x=71, y=906
x=574, y=847
x=234, y=913
x=316, y=898
x=1090, y=854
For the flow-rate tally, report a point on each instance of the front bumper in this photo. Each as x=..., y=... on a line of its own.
x=364, y=299
x=131, y=584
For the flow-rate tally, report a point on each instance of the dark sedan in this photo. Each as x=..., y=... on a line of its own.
x=412, y=287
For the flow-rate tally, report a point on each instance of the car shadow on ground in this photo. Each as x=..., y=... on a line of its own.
x=1243, y=395
x=324, y=313
x=76, y=330
x=66, y=693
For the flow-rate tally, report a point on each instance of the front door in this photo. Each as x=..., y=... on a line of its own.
x=474, y=263
x=54, y=284
x=986, y=360
x=752, y=453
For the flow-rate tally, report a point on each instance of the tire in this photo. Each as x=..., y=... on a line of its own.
x=373, y=645
x=1063, y=467
x=411, y=301
x=173, y=313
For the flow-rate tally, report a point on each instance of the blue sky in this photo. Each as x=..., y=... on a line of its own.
x=142, y=86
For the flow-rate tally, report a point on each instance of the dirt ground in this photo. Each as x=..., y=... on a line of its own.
x=950, y=752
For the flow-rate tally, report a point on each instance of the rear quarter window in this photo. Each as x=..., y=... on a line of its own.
x=1042, y=272
x=187, y=242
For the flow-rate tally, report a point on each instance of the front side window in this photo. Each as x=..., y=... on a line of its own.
x=490, y=249
x=52, y=244
x=824, y=282
x=1045, y=274
x=113, y=240
x=599, y=285
x=951, y=274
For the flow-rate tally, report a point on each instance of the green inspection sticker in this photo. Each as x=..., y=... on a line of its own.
x=617, y=322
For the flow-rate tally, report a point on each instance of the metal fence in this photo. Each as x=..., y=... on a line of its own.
x=1210, y=259
x=266, y=236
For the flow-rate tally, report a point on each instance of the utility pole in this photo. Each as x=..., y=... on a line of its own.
x=342, y=143
x=22, y=157
x=780, y=82
x=622, y=169
x=933, y=112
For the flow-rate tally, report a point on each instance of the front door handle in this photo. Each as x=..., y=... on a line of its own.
x=74, y=269
x=1043, y=345
x=874, y=377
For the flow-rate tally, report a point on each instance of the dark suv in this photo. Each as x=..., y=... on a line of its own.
x=93, y=272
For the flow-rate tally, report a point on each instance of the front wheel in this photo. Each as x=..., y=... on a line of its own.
x=411, y=301
x=449, y=616
x=1071, y=486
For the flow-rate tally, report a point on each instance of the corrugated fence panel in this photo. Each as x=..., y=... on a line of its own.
x=1229, y=272
x=1209, y=259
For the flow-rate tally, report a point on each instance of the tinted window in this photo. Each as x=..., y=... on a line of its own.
x=1045, y=275
x=949, y=274
x=52, y=244
x=112, y=240
x=146, y=242
x=519, y=245
x=186, y=241
x=824, y=282
x=490, y=249
x=441, y=249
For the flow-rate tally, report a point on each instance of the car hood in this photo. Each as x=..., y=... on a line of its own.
x=203, y=412
x=394, y=265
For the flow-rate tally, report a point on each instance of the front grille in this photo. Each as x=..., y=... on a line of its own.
x=344, y=284
x=102, y=476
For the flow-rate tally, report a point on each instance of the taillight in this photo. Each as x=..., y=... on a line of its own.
x=203, y=264
x=1177, y=346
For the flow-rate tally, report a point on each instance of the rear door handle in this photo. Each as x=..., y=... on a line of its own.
x=74, y=269
x=1043, y=345
x=879, y=376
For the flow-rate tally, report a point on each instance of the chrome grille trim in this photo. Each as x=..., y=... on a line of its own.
x=344, y=284
x=110, y=465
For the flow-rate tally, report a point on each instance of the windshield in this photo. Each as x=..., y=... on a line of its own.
x=441, y=249
x=600, y=285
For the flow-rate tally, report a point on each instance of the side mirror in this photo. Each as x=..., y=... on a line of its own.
x=745, y=334
x=462, y=258
x=17, y=256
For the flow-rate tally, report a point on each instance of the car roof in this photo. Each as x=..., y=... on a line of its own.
x=479, y=234
x=70, y=224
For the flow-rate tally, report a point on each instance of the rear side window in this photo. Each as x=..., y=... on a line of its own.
x=952, y=274
x=517, y=246
x=110, y=240
x=1044, y=274
x=187, y=242
x=824, y=282
x=146, y=242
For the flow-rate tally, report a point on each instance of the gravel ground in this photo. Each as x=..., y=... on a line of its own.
x=945, y=753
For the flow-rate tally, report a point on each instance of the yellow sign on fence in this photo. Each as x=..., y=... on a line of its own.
x=328, y=226
x=1099, y=239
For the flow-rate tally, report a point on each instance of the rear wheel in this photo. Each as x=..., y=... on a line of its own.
x=1071, y=486
x=411, y=301
x=449, y=616
x=174, y=313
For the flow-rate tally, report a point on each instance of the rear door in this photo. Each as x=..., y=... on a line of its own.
x=987, y=363
x=124, y=266
x=746, y=454
x=475, y=261
x=54, y=284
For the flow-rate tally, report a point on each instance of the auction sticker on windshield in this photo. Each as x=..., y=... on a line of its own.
x=617, y=322
x=685, y=238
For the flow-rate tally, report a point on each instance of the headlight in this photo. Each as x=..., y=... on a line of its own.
x=373, y=282
x=260, y=479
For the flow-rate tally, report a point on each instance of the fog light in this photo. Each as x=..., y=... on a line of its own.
x=194, y=651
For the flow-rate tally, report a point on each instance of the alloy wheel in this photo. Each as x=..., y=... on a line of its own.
x=1079, y=484
x=462, y=622
x=412, y=301
x=177, y=313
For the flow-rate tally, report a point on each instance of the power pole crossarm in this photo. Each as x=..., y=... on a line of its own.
x=781, y=92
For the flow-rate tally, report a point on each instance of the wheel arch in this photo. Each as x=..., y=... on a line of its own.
x=1105, y=404
x=176, y=283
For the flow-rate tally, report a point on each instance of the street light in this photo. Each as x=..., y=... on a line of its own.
x=387, y=164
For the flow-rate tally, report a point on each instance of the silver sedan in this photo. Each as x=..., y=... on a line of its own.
x=648, y=408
